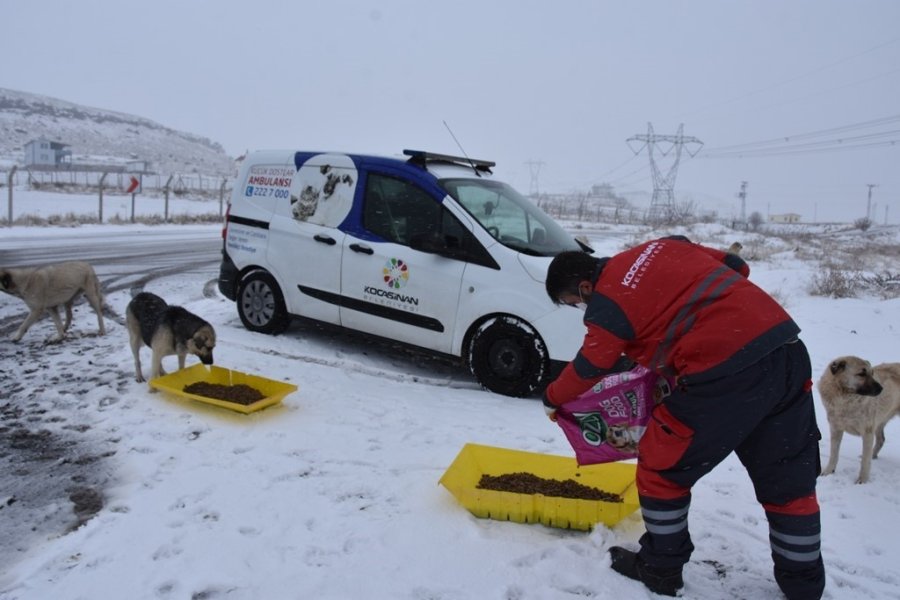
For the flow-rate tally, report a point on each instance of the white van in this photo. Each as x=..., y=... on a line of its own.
x=427, y=250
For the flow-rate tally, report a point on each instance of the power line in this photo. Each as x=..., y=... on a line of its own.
x=809, y=143
x=627, y=175
x=834, y=146
x=803, y=136
x=812, y=134
x=614, y=169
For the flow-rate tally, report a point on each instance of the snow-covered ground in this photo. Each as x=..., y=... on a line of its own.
x=334, y=493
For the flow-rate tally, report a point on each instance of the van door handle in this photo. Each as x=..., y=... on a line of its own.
x=363, y=249
x=324, y=239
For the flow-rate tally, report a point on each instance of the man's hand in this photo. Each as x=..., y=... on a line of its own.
x=549, y=407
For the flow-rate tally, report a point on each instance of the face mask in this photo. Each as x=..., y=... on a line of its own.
x=582, y=306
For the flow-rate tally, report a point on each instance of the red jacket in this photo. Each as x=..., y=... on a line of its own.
x=678, y=308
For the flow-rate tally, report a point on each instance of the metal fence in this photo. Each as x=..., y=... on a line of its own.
x=114, y=177
x=115, y=183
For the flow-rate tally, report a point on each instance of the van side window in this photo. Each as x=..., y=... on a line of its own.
x=400, y=212
x=396, y=210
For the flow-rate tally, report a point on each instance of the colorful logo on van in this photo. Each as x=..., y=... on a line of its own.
x=395, y=273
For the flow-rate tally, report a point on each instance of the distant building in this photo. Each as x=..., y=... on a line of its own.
x=139, y=166
x=44, y=153
x=785, y=218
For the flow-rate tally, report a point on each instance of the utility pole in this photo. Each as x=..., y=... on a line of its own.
x=662, y=202
x=743, y=196
x=869, y=203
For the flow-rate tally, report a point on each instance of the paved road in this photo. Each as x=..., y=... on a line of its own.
x=120, y=255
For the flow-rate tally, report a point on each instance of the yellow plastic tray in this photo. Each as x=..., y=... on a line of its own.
x=173, y=385
x=474, y=460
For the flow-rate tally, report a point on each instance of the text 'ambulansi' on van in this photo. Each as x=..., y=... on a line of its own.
x=427, y=250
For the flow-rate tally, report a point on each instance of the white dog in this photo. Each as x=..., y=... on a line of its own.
x=52, y=286
x=859, y=399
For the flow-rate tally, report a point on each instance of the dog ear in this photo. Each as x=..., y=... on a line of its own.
x=838, y=366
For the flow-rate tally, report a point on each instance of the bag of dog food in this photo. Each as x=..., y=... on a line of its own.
x=605, y=423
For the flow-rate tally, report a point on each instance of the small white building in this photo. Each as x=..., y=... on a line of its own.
x=44, y=153
x=139, y=166
x=785, y=218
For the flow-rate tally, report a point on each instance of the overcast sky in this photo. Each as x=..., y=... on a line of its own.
x=551, y=91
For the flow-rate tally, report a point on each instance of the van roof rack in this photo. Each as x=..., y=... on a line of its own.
x=422, y=158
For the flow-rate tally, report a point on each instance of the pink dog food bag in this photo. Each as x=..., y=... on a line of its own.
x=605, y=423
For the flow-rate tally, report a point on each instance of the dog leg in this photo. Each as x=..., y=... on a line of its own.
x=135, y=351
x=865, y=466
x=157, y=365
x=156, y=369
x=60, y=330
x=97, y=304
x=879, y=439
x=836, y=435
x=68, y=315
x=33, y=316
x=181, y=357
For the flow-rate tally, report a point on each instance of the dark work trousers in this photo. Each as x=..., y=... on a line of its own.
x=765, y=414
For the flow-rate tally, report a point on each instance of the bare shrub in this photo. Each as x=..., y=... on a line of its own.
x=835, y=282
x=183, y=219
x=70, y=219
x=863, y=223
x=30, y=220
x=755, y=220
x=157, y=219
x=886, y=284
x=64, y=220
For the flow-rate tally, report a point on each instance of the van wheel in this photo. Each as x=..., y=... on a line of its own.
x=507, y=356
x=261, y=305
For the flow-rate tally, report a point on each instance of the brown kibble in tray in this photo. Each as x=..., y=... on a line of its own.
x=528, y=483
x=239, y=394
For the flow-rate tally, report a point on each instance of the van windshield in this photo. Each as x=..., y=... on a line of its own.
x=511, y=218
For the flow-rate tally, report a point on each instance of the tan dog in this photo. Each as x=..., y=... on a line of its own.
x=47, y=288
x=167, y=330
x=859, y=399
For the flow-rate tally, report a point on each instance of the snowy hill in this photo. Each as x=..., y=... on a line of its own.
x=98, y=136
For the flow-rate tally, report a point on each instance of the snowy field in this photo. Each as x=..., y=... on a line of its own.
x=334, y=493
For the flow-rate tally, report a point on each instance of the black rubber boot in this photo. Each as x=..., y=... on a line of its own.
x=665, y=582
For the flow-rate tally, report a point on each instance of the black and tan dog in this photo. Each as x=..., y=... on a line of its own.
x=167, y=330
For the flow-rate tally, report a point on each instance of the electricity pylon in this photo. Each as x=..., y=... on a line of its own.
x=662, y=203
x=534, y=167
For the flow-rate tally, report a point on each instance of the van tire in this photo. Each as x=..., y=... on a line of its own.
x=260, y=304
x=507, y=356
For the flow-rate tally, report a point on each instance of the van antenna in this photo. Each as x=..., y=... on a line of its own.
x=474, y=168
